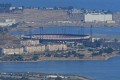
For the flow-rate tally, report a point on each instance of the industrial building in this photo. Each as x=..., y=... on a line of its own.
x=97, y=17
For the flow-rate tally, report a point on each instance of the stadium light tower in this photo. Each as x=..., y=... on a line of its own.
x=30, y=31
x=41, y=33
x=91, y=33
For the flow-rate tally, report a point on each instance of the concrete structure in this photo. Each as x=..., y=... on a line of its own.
x=110, y=22
x=12, y=8
x=39, y=48
x=12, y=50
x=97, y=17
x=7, y=22
x=29, y=42
x=56, y=47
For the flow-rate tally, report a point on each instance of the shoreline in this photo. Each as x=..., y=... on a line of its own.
x=38, y=75
x=66, y=59
x=99, y=26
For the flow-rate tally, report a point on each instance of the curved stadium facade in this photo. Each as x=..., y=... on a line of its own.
x=58, y=37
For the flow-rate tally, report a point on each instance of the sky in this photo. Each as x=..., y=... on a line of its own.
x=92, y=4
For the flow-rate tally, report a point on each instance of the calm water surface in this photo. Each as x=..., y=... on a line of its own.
x=100, y=70
x=73, y=30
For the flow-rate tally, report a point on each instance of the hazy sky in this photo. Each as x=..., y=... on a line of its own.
x=92, y=4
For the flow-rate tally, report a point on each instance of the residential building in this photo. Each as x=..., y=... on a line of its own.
x=38, y=48
x=12, y=50
x=55, y=47
x=29, y=42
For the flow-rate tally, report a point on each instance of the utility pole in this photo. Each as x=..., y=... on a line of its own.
x=41, y=33
x=20, y=33
x=82, y=31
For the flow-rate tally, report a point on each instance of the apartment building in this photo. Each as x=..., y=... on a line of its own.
x=29, y=42
x=55, y=47
x=37, y=48
x=12, y=50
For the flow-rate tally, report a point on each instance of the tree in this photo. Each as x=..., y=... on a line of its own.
x=15, y=57
x=73, y=52
x=101, y=51
x=115, y=40
x=108, y=50
x=81, y=55
x=48, y=55
x=18, y=57
x=95, y=54
x=35, y=57
x=98, y=43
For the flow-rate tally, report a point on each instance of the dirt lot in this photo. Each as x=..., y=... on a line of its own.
x=38, y=18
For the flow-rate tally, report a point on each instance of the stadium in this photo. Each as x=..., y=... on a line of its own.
x=58, y=37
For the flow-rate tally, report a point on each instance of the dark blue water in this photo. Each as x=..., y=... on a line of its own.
x=112, y=5
x=99, y=70
x=73, y=30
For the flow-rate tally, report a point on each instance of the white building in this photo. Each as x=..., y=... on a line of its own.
x=7, y=22
x=76, y=11
x=29, y=42
x=12, y=50
x=97, y=17
x=31, y=49
x=13, y=8
x=55, y=47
